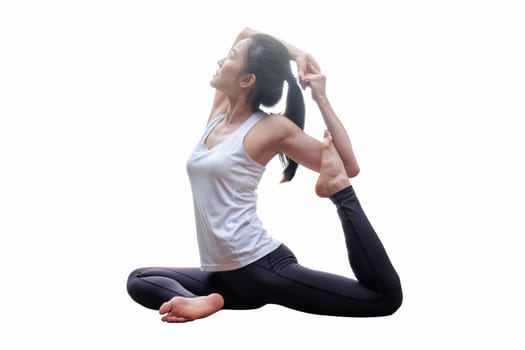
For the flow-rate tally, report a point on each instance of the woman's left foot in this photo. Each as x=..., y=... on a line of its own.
x=181, y=309
x=332, y=175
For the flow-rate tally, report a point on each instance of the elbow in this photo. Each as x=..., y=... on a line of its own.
x=352, y=171
x=246, y=33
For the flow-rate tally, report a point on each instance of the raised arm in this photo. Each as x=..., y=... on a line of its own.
x=298, y=145
x=305, y=61
x=317, y=82
x=310, y=76
x=220, y=101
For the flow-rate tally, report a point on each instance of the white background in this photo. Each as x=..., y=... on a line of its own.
x=102, y=101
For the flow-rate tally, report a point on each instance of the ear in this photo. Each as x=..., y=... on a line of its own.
x=248, y=80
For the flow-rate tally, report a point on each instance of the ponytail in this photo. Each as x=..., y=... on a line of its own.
x=295, y=111
x=269, y=60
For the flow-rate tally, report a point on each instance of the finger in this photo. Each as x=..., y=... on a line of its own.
x=300, y=74
x=310, y=77
x=314, y=68
x=301, y=70
x=315, y=64
x=311, y=62
x=304, y=83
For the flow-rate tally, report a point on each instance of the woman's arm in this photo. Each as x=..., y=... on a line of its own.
x=301, y=147
x=310, y=76
x=317, y=83
x=305, y=61
x=220, y=101
x=293, y=141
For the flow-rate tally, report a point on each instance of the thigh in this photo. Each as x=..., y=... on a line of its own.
x=152, y=286
x=287, y=283
x=194, y=280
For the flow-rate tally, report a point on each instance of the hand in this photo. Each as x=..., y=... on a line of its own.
x=306, y=65
x=317, y=83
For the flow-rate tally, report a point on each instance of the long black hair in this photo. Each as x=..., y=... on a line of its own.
x=269, y=60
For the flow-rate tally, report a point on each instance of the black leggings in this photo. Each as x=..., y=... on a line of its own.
x=277, y=278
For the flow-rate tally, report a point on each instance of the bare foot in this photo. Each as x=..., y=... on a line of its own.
x=181, y=309
x=332, y=175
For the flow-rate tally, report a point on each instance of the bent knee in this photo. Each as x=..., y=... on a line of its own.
x=392, y=301
x=133, y=276
x=133, y=283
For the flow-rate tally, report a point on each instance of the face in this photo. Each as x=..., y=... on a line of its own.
x=228, y=74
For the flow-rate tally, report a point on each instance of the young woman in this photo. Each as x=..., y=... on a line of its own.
x=242, y=266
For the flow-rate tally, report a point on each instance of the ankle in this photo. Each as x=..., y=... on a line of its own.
x=340, y=183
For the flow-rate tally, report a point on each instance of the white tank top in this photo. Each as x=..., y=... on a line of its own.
x=224, y=180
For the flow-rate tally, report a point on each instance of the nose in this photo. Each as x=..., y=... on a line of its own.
x=220, y=62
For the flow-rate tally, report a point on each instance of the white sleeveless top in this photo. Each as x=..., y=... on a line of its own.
x=224, y=180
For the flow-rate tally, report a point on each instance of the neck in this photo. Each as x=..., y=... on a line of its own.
x=237, y=112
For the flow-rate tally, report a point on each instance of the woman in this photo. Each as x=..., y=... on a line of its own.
x=242, y=266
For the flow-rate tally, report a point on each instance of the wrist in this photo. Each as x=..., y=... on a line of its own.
x=322, y=101
x=295, y=53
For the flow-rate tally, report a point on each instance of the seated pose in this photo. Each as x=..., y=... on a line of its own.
x=243, y=266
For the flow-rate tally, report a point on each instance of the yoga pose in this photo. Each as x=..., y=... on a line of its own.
x=242, y=265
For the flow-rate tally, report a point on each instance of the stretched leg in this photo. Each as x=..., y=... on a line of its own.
x=377, y=291
x=279, y=279
x=366, y=253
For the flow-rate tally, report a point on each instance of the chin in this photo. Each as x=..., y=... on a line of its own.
x=213, y=84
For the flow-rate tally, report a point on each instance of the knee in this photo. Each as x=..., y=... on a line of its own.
x=133, y=282
x=134, y=275
x=393, y=300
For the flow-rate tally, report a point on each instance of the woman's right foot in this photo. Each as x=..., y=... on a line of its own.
x=332, y=175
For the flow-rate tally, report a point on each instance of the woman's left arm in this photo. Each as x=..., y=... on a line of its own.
x=296, y=144
x=317, y=83
x=289, y=139
x=310, y=76
x=305, y=61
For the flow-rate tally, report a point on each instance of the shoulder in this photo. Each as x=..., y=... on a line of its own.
x=275, y=129
x=276, y=134
x=278, y=125
x=267, y=137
